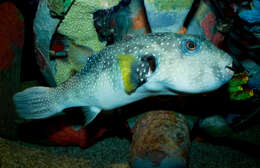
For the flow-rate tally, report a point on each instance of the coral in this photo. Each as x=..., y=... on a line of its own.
x=66, y=67
x=208, y=25
x=59, y=7
x=79, y=24
x=168, y=16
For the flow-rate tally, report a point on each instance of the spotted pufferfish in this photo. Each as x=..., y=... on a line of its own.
x=132, y=69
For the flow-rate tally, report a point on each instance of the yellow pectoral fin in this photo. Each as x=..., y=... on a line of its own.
x=127, y=64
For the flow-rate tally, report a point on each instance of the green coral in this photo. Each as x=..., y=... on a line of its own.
x=79, y=24
x=67, y=4
x=65, y=69
x=238, y=89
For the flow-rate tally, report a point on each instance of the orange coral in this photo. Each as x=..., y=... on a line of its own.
x=68, y=136
x=60, y=131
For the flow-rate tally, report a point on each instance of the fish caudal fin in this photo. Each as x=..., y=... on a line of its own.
x=37, y=102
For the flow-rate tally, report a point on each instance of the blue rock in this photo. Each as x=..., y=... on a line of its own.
x=253, y=15
x=170, y=19
x=254, y=82
x=254, y=73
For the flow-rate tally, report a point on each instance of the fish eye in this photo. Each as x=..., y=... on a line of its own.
x=189, y=46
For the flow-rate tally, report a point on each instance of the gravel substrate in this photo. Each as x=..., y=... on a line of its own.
x=112, y=153
x=210, y=156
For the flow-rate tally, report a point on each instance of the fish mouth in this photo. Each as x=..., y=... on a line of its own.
x=231, y=68
x=235, y=67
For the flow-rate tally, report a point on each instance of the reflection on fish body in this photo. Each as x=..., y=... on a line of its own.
x=130, y=70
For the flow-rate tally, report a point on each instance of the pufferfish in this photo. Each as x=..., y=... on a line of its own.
x=132, y=69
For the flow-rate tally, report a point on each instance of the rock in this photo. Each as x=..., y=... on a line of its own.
x=254, y=73
x=252, y=67
x=122, y=21
x=164, y=16
x=44, y=27
x=138, y=17
x=161, y=139
x=252, y=15
x=169, y=16
x=254, y=82
x=215, y=126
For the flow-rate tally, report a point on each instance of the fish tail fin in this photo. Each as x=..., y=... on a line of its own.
x=37, y=102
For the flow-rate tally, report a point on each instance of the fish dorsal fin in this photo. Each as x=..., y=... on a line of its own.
x=135, y=71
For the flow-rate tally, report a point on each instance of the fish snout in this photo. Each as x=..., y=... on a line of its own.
x=233, y=68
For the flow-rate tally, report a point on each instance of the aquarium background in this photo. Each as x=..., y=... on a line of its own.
x=224, y=125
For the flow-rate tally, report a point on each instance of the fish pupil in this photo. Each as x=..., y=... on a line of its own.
x=190, y=45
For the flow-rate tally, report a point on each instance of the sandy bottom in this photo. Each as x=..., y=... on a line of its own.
x=113, y=153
